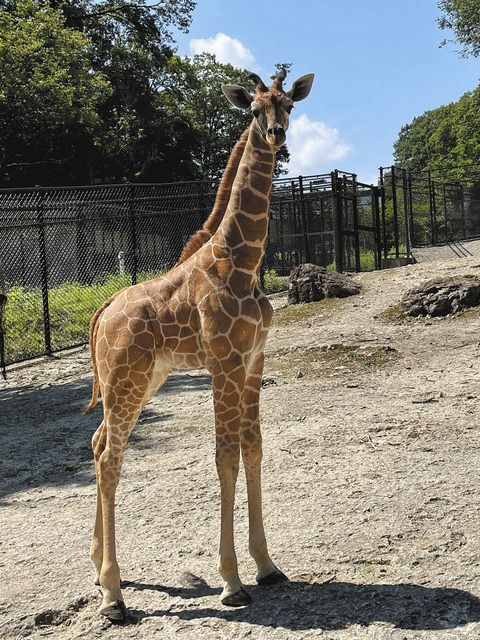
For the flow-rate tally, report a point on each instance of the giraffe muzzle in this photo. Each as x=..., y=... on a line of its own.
x=276, y=135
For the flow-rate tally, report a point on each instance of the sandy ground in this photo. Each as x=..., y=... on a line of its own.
x=371, y=483
x=450, y=251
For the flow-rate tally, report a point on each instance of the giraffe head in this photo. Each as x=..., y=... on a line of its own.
x=270, y=106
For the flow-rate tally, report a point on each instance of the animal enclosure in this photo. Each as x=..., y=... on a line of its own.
x=65, y=250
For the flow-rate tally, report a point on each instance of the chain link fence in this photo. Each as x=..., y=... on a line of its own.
x=422, y=209
x=66, y=250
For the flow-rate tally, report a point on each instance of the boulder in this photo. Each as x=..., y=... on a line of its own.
x=310, y=283
x=442, y=296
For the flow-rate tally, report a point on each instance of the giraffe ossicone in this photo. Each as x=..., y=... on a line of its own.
x=208, y=311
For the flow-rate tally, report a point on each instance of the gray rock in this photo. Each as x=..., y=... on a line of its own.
x=442, y=296
x=310, y=283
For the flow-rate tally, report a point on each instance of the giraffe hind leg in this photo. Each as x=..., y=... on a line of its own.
x=120, y=420
x=96, y=548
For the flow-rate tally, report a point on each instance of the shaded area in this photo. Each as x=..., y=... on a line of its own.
x=301, y=605
x=46, y=439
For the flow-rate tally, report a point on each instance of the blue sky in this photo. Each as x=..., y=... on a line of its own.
x=377, y=64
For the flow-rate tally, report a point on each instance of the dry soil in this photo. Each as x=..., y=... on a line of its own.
x=371, y=484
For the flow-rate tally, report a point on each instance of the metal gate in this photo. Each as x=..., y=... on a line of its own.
x=330, y=220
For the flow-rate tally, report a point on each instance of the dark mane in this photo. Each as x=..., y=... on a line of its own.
x=213, y=221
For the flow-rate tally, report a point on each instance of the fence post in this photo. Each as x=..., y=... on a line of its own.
x=462, y=209
x=303, y=217
x=295, y=222
x=395, y=211
x=376, y=223
x=384, y=219
x=201, y=203
x=410, y=212
x=445, y=213
x=337, y=220
x=433, y=220
x=356, y=231
x=132, y=253
x=44, y=272
x=406, y=212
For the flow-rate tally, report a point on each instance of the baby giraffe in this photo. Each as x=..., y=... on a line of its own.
x=208, y=311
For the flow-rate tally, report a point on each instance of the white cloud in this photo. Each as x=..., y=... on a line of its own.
x=314, y=146
x=226, y=50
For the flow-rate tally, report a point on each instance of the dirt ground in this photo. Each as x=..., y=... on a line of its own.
x=371, y=483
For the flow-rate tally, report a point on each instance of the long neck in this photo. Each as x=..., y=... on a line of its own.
x=244, y=227
x=213, y=221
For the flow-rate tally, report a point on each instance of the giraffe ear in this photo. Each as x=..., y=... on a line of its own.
x=301, y=87
x=238, y=96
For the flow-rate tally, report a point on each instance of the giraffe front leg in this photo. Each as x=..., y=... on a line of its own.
x=228, y=389
x=112, y=605
x=251, y=443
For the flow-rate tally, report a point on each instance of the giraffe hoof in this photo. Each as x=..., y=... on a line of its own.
x=238, y=599
x=273, y=578
x=116, y=612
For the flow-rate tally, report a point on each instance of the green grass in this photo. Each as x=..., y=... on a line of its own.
x=304, y=312
x=273, y=283
x=71, y=307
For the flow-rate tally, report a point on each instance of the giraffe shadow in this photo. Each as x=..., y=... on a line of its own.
x=46, y=439
x=335, y=605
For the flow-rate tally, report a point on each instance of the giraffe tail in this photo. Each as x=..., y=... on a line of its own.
x=92, y=341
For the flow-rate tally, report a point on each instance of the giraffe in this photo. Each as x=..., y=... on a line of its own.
x=208, y=311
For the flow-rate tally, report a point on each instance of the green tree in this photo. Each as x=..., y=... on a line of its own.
x=193, y=87
x=49, y=95
x=446, y=139
x=463, y=18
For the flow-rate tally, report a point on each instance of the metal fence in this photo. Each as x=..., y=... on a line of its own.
x=421, y=209
x=65, y=250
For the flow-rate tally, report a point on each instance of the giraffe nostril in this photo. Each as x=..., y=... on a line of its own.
x=270, y=131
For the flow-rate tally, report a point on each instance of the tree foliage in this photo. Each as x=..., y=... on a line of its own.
x=447, y=138
x=92, y=91
x=463, y=18
x=194, y=88
x=49, y=94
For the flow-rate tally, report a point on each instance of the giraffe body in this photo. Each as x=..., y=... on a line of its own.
x=206, y=312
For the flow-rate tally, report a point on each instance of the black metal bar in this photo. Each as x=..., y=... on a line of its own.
x=44, y=273
x=358, y=262
x=462, y=210
x=306, y=245
x=433, y=221
x=3, y=302
x=376, y=222
x=384, y=218
x=337, y=205
x=132, y=252
x=445, y=214
x=282, y=237
x=406, y=213
x=395, y=212
x=295, y=222
x=410, y=212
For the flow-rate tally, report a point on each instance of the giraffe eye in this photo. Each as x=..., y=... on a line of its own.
x=256, y=112
x=289, y=108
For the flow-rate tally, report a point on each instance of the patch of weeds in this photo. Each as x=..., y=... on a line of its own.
x=333, y=359
x=466, y=314
x=273, y=283
x=395, y=315
x=301, y=312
